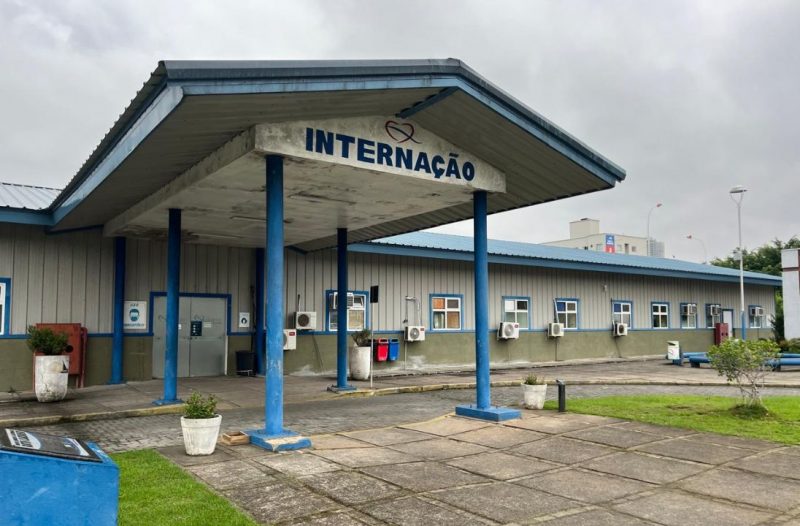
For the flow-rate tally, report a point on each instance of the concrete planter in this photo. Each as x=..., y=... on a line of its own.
x=359, y=362
x=200, y=434
x=51, y=374
x=533, y=395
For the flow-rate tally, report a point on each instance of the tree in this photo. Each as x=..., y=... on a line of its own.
x=765, y=259
x=745, y=363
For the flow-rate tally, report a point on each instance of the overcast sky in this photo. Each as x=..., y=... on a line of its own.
x=690, y=97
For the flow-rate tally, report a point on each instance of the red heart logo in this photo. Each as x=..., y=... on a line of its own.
x=400, y=131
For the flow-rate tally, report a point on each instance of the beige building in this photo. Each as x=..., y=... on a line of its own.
x=585, y=234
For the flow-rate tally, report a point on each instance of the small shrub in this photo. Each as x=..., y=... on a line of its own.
x=199, y=407
x=47, y=341
x=362, y=338
x=745, y=363
x=532, y=379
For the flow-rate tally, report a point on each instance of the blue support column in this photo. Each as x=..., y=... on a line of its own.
x=743, y=322
x=274, y=437
x=341, y=313
x=259, y=321
x=119, y=314
x=483, y=409
x=173, y=302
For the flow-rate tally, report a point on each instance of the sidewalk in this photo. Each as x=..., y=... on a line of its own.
x=135, y=398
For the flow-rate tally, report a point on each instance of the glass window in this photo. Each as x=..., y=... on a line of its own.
x=660, y=316
x=516, y=310
x=446, y=312
x=3, y=308
x=621, y=311
x=689, y=316
x=756, y=317
x=356, y=315
x=567, y=313
x=713, y=315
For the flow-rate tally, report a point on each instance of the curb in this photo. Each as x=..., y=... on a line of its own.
x=87, y=417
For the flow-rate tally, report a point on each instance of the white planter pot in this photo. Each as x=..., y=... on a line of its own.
x=200, y=434
x=51, y=374
x=533, y=395
x=359, y=361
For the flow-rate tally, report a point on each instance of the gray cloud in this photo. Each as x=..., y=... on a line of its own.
x=690, y=97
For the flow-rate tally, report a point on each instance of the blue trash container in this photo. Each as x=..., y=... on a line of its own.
x=394, y=349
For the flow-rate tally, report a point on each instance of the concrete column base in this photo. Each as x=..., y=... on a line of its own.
x=285, y=441
x=343, y=389
x=167, y=402
x=493, y=413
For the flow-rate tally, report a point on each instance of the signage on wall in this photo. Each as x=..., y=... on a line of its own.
x=610, y=244
x=244, y=320
x=134, y=315
x=383, y=144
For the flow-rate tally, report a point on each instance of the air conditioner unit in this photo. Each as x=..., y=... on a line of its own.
x=335, y=303
x=756, y=311
x=414, y=333
x=620, y=329
x=555, y=330
x=305, y=320
x=689, y=310
x=289, y=339
x=508, y=331
x=714, y=310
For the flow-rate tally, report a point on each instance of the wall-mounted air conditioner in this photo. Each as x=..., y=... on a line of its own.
x=305, y=320
x=756, y=311
x=714, y=310
x=689, y=310
x=334, y=303
x=620, y=329
x=289, y=339
x=414, y=333
x=555, y=330
x=508, y=331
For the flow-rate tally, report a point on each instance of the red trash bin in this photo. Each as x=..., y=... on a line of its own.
x=382, y=350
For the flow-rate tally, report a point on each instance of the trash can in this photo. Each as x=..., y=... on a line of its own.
x=394, y=349
x=381, y=349
x=674, y=352
x=245, y=363
x=48, y=479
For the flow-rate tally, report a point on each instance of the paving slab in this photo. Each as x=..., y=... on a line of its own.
x=644, y=467
x=550, y=424
x=504, y=502
x=678, y=509
x=279, y=502
x=614, y=436
x=597, y=517
x=694, y=450
x=320, y=442
x=350, y=487
x=228, y=475
x=498, y=437
x=332, y=519
x=563, y=450
x=414, y=511
x=296, y=463
x=424, y=476
x=448, y=426
x=772, y=463
x=388, y=436
x=584, y=486
x=750, y=488
x=502, y=466
x=652, y=428
x=178, y=455
x=439, y=448
x=363, y=457
x=745, y=443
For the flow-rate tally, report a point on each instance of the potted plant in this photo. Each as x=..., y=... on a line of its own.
x=534, y=389
x=360, y=355
x=200, y=424
x=50, y=365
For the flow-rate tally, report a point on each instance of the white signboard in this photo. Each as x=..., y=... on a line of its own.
x=244, y=320
x=134, y=316
x=382, y=144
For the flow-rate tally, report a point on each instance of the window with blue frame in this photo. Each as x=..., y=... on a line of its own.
x=621, y=312
x=356, y=313
x=756, y=316
x=660, y=315
x=445, y=313
x=4, y=305
x=688, y=315
x=517, y=310
x=567, y=313
x=713, y=315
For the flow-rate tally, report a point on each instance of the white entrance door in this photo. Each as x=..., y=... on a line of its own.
x=727, y=317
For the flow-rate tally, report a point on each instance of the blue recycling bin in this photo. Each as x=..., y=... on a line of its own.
x=47, y=480
x=394, y=349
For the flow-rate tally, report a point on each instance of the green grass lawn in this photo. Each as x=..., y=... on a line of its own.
x=153, y=491
x=715, y=414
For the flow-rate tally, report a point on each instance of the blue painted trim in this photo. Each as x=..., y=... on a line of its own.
x=430, y=101
x=530, y=309
x=23, y=216
x=492, y=414
x=452, y=255
x=430, y=312
x=480, y=202
x=669, y=315
x=50, y=232
x=706, y=316
x=327, y=321
x=260, y=320
x=119, y=314
x=6, y=321
x=577, y=312
x=680, y=316
x=750, y=318
x=630, y=327
x=173, y=307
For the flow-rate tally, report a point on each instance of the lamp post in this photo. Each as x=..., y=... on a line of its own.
x=658, y=205
x=737, y=194
x=705, y=252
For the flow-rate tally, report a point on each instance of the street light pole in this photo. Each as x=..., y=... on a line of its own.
x=705, y=252
x=658, y=205
x=737, y=194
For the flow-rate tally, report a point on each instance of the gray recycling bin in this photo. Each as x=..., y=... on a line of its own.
x=47, y=480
